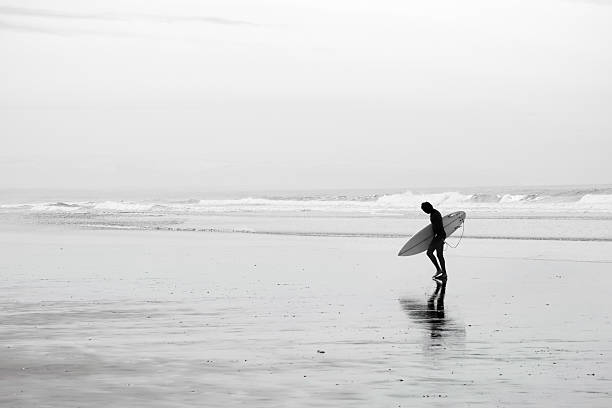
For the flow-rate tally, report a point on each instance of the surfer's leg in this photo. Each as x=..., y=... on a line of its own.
x=430, y=254
x=440, y=253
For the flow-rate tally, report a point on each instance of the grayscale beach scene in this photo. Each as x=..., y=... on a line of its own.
x=296, y=203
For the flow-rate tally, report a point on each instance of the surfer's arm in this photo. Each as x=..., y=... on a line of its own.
x=438, y=227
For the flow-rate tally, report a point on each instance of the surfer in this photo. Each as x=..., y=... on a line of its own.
x=437, y=243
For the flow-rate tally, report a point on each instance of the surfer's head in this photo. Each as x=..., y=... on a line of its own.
x=427, y=207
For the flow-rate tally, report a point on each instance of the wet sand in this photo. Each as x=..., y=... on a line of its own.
x=164, y=319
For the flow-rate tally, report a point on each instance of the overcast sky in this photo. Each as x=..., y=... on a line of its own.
x=304, y=93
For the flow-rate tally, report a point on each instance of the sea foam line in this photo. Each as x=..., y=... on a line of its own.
x=331, y=234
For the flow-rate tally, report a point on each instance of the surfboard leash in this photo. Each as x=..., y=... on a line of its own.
x=460, y=238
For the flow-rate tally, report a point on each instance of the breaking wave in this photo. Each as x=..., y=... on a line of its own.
x=572, y=200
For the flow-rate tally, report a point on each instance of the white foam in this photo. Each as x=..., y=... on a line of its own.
x=384, y=205
x=605, y=199
x=121, y=206
x=408, y=199
x=511, y=198
x=57, y=208
x=15, y=206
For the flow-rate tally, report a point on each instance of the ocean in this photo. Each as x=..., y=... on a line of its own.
x=568, y=213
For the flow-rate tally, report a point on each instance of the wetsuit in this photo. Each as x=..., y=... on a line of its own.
x=438, y=229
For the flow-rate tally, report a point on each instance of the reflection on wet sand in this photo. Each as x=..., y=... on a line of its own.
x=431, y=316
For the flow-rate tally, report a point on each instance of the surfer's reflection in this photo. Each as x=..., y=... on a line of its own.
x=431, y=315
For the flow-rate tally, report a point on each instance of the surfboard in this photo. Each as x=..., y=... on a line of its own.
x=420, y=241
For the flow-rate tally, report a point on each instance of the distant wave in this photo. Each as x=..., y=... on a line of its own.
x=546, y=201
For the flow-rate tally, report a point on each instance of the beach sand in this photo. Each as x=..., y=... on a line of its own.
x=178, y=319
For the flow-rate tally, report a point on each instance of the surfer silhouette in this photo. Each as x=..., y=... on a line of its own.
x=437, y=243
